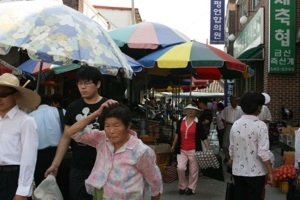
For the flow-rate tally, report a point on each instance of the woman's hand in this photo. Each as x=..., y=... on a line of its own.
x=106, y=104
x=270, y=179
x=229, y=163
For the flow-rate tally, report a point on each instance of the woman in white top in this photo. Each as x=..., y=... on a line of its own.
x=249, y=150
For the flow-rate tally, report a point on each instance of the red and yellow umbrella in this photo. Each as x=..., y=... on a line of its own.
x=198, y=57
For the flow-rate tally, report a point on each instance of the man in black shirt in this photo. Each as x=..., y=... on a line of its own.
x=83, y=156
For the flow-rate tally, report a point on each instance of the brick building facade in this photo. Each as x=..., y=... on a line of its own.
x=283, y=88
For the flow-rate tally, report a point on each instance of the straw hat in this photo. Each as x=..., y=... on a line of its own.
x=267, y=97
x=190, y=106
x=27, y=97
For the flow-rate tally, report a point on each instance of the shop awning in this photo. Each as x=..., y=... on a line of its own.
x=255, y=53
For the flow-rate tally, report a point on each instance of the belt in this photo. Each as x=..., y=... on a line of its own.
x=229, y=123
x=9, y=168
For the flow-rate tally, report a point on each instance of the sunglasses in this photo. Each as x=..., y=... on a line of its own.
x=6, y=94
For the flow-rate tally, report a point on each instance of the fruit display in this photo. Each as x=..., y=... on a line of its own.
x=284, y=173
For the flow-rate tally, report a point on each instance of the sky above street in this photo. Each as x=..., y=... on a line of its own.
x=191, y=17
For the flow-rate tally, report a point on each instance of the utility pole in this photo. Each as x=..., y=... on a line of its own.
x=132, y=12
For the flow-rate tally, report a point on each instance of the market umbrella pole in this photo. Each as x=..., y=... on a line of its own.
x=39, y=77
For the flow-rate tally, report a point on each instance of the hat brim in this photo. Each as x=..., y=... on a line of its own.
x=267, y=97
x=192, y=108
x=27, y=98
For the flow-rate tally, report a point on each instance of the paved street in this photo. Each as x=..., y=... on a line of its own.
x=210, y=189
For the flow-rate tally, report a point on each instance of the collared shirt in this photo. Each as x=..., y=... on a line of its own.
x=125, y=174
x=265, y=114
x=230, y=114
x=18, y=146
x=188, y=134
x=49, y=127
x=249, y=146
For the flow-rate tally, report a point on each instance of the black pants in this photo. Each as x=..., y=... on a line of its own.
x=77, y=184
x=248, y=188
x=220, y=137
x=8, y=184
x=43, y=162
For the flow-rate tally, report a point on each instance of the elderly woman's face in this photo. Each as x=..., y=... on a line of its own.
x=191, y=112
x=116, y=131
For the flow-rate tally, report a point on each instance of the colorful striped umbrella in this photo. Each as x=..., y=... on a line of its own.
x=140, y=39
x=195, y=55
x=135, y=65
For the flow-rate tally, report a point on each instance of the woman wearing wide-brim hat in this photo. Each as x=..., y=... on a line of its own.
x=189, y=134
x=19, y=138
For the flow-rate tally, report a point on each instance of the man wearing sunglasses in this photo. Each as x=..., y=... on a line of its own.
x=19, y=139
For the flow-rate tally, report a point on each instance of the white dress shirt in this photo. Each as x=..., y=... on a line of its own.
x=18, y=146
x=230, y=114
x=249, y=146
x=265, y=114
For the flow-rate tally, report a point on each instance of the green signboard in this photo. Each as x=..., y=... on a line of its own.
x=282, y=36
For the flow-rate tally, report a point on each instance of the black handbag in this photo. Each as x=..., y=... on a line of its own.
x=294, y=190
x=229, y=195
x=170, y=172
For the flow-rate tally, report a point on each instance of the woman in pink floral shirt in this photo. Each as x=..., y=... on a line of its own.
x=125, y=168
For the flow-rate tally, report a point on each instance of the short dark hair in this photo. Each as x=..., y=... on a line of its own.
x=250, y=101
x=56, y=98
x=45, y=99
x=220, y=105
x=203, y=100
x=89, y=73
x=119, y=111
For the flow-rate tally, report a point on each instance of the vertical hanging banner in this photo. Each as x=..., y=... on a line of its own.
x=282, y=36
x=228, y=90
x=217, y=22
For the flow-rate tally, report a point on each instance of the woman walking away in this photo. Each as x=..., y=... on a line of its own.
x=249, y=150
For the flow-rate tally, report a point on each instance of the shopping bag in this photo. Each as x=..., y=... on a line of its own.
x=170, y=173
x=48, y=190
x=215, y=173
x=207, y=159
x=229, y=195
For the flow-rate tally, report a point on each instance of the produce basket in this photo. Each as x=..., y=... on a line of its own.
x=162, y=160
